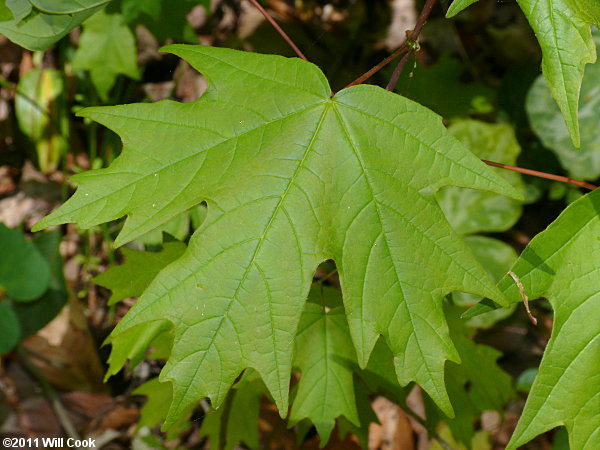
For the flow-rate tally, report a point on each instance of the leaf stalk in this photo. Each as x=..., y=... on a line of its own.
x=282, y=33
x=537, y=173
x=408, y=47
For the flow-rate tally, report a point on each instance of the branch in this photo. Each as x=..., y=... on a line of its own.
x=282, y=33
x=398, y=70
x=412, y=38
x=539, y=174
x=364, y=77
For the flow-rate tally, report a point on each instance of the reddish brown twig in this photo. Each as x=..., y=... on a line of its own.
x=412, y=38
x=398, y=70
x=282, y=33
x=365, y=76
x=537, y=173
x=414, y=35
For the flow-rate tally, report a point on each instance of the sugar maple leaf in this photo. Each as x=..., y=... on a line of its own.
x=561, y=264
x=291, y=177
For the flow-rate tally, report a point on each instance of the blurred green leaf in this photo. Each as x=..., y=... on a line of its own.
x=475, y=385
x=41, y=114
x=24, y=274
x=5, y=12
x=563, y=29
x=67, y=6
x=36, y=30
x=11, y=332
x=154, y=411
x=497, y=258
x=164, y=19
x=547, y=122
x=457, y=6
x=242, y=421
x=19, y=8
x=131, y=278
x=439, y=88
x=560, y=439
x=471, y=211
x=34, y=315
x=526, y=379
x=107, y=48
x=178, y=227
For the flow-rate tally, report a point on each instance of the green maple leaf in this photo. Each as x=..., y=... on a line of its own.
x=326, y=388
x=241, y=422
x=107, y=49
x=563, y=29
x=561, y=264
x=478, y=384
x=131, y=278
x=153, y=412
x=291, y=177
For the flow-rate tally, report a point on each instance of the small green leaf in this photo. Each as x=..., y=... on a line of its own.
x=5, y=12
x=11, y=332
x=34, y=315
x=546, y=121
x=242, y=420
x=496, y=257
x=41, y=114
x=36, y=30
x=561, y=264
x=24, y=274
x=326, y=389
x=106, y=48
x=19, y=8
x=131, y=278
x=177, y=227
x=154, y=412
x=133, y=344
x=457, y=6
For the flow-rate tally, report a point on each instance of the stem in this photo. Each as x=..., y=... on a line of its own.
x=326, y=277
x=414, y=35
x=365, y=76
x=50, y=393
x=398, y=70
x=537, y=173
x=282, y=33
